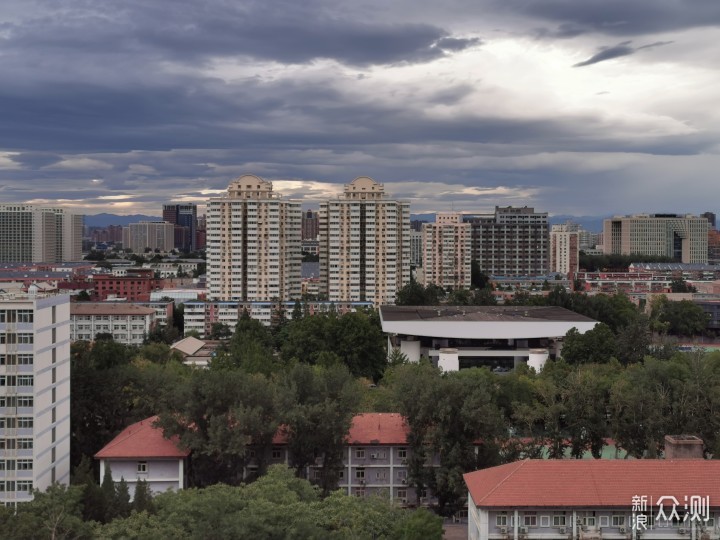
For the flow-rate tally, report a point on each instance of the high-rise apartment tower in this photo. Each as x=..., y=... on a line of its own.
x=447, y=252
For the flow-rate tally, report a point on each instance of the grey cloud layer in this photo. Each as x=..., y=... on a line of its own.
x=120, y=92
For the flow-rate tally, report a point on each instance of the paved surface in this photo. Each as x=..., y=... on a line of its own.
x=455, y=531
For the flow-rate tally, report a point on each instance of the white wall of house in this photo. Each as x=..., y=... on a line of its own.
x=160, y=474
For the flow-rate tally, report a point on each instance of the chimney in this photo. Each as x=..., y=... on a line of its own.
x=683, y=447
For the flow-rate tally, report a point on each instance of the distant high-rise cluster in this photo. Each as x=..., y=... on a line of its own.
x=185, y=221
x=150, y=235
x=33, y=233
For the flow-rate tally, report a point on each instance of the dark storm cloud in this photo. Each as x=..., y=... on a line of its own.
x=616, y=17
x=616, y=51
x=281, y=31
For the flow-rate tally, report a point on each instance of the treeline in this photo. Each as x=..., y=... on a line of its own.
x=616, y=262
x=278, y=505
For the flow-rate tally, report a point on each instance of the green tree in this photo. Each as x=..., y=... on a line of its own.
x=122, y=499
x=142, y=499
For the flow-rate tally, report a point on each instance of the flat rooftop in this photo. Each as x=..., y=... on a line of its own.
x=481, y=314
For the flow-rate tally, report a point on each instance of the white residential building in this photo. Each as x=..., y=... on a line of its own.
x=34, y=394
x=128, y=324
x=364, y=245
x=565, y=248
x=31, y=233
x=447, y=252
x=253, y=243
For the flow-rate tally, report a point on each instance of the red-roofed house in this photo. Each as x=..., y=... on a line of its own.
x=582, y=499
x=141, y=452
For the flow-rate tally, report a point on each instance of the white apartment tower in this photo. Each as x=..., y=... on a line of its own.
x=254, y=240
x=565, y=248
x=34, y=394
x=447, y=251
x=364, y=245
x=681, y=237
x=31, y=233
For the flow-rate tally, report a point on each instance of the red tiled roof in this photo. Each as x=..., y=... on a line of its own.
x=142, y=440
x=378, y=428
x=592, y=483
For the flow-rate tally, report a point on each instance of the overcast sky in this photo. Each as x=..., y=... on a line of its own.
x=582, y=107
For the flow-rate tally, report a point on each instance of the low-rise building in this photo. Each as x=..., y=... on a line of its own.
x=499, y=337
x=595, y=499
x=135, y=285
x=128, y=324
x=141, y=452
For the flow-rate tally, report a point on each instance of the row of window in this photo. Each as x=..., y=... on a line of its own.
x=16, y=315
x=19, y=422
x=12, y=337
x=16, y=464
x=530, y=519
x=16, y=444
x=16, y=380
x=16, y=359
x=17, y=401
x=12, y=486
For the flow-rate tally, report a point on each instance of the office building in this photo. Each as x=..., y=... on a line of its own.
x=565, y=248
x=364, y=245
x=416, y=248
x=128, y=324
x=447, y=252
x=310, y=225
x=681, y=237
x=185, y=221
x=511, y=242
x=711, y=217
x=253, y=243
x=34, y=394
x=31, y=233
x=153, y=235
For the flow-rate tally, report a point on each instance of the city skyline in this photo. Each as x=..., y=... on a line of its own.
x=593, y=108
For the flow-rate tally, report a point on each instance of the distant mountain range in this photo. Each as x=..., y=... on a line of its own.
x=103, y=220
x=589, y=223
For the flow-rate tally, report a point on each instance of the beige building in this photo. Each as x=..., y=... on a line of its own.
x=681, y=237
x=149, y=234
x=128, y=324
x=31, y=233
x=364, y=245
x=447, y=251
x=565, y=248
x=254, y=241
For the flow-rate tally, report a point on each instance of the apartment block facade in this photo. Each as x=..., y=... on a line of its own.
x=447, y=252
x=681, y=237
x=511, y=242
x=30, y=233
x=34, y=394
x=364, y=245
x=128, y=324
x=253, y=243
x=154, y=235
x=565, y=248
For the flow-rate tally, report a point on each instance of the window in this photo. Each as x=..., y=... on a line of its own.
x=402, y=453
x=341, y=475
x=360, y=474
x=24, y=485
x=276, y=453
x=26, y=338
x=604, y=521
x=25, y=359
x=23, y=444
x=24, y=464
x=530, y=520
x=381, y=475
x=544, y=521
x=618, y=521
x=142, y=467
x=559, y=520
x=360, y=492
x=359, y=453
x=25, y=401
x=24, y=422
x=589, y=521
x=402, y=494
x=25, y=380
x=402, y=475
x=501, y=520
